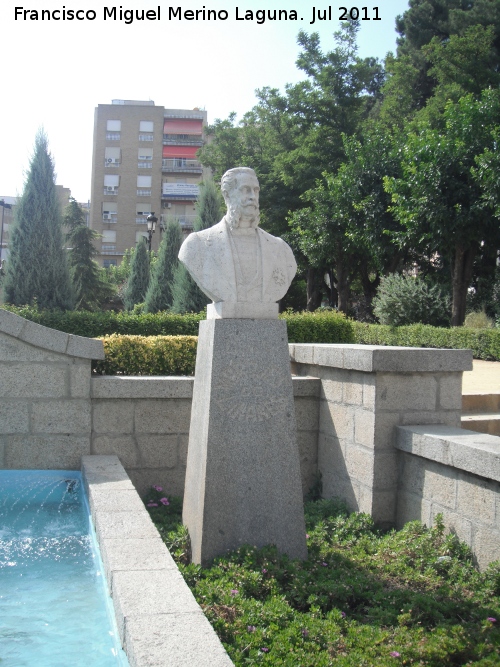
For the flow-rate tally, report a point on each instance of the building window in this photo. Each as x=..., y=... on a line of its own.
x=111, y=183
x=145, y=137
x=109, y=211
x=140, y=235
x=145, y=158
x=108, y=236
x=112, y=156
x=144, y=181
x=141, y=192
x=108, y=247
x=141, y=213
x=113, y=129
x=108, y=262
x=146, y=126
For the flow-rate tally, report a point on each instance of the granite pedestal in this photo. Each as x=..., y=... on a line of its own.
x=243, y=478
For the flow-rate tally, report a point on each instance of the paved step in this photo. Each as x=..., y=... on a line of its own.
x=481, y=402
x=481, y=412
x=488, y=422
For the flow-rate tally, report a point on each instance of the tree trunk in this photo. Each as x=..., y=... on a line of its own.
x=342, y=283
x=461, y=276
x=313, y=289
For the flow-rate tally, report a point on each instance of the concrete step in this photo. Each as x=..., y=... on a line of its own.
x=487, y=422
x=481, y=403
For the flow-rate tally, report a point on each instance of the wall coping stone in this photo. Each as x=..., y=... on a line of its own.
x=381, y=358
x=136, y=387
x=477, y=453
x=50, y=339
x=158, y=618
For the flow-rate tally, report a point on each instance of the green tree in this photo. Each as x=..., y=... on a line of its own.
x=291, y=139
x=187, y=296
x=159, y=294
x=89, y=285
x=438, y=199
x=446, y=49
x=138, y=281
x=37, y=269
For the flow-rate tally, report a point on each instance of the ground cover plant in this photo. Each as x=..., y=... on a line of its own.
x=363, y=597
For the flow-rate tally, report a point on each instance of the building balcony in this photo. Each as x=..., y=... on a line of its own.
x=185, y=221
x=182, y=140
x=110, y=190
x=186, y=116
x=184, y=165
x=109, y=162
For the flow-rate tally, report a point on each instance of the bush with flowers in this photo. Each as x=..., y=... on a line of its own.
x=363, y=597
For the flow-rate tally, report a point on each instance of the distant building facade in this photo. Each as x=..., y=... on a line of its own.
x=144, y=160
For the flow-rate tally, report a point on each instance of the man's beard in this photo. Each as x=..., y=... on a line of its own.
x=235, y=213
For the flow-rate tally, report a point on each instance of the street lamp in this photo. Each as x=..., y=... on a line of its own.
x=151, y=220
x=4, y=205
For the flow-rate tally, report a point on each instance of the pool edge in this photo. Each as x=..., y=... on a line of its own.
x=159, y=621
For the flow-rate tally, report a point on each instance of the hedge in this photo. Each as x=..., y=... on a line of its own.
x=96, y=324
x=484, y=343
x=147, y=355
x=317, y=327
x=305, y=327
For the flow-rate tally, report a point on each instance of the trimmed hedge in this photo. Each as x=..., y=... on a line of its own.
x=484, y=343
x=318, y=327
x=96, y=324
x=305, y=327
x=147, y=355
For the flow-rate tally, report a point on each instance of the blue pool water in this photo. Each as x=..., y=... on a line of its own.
x=54, y=607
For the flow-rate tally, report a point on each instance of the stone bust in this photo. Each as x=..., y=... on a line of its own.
x=235, y=261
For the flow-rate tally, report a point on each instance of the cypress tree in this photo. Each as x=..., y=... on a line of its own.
x=138, y=282
x=159, y=294
x=89, y=288
x=37, y=268
x=187, y=296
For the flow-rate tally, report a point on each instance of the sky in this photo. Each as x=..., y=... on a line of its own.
x=56, y=72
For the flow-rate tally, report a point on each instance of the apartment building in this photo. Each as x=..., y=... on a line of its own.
x=144, y=161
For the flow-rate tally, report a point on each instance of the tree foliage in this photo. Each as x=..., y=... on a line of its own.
x=37, y=269
x=138, y=281
x=438, y=199
x=159, y=294
x=90, y=288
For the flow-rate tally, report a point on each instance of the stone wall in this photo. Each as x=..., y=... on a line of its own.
x=365, y=392
x=456, y=473
x=145, y=422
x=45, y=411
x=349, y=401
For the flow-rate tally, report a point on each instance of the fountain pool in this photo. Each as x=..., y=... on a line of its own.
x=54, y=606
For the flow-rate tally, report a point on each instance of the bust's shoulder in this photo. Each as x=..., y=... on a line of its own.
x=275, y=240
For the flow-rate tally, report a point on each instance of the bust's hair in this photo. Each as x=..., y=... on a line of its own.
x=230, y=179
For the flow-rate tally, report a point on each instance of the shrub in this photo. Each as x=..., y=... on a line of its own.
x=484, y=343
x=479, y=320
x=147, y=355
x=402, y=300
x=318, y=327
x=362, y=597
